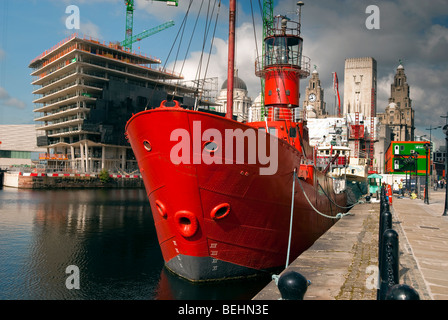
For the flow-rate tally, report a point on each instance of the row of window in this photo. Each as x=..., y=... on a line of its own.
x=11, y=154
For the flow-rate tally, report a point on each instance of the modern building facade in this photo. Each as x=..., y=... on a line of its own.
x=18, y=146
x=407, y=156
x=360, y=107
x=86, y=91
x=360, y=86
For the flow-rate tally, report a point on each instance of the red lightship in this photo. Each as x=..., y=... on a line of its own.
x=222, y=192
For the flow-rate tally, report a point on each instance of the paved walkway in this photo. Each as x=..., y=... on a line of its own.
x=425, y=233
x=342, y=264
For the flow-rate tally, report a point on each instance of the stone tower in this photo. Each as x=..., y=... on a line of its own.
x=360, y=86
x=314, y=96
x=399, y=115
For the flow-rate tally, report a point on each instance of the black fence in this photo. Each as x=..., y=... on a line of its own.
x=389, y=287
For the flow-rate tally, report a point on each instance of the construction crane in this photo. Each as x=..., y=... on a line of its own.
x=129, y=38
x=268, y=21
x=268, y=17
x=128, y=42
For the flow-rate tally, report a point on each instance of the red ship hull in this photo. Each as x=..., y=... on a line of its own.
x=219, y=221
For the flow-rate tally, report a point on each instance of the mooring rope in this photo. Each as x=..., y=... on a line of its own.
x=292, y=214
x=276, y=277
x=338, y=216
x=332, y=201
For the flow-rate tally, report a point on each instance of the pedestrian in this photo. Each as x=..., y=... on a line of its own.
x=400, y=188
x=395, y=188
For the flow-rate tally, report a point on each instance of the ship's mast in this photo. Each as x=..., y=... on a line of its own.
x=282, y=66
x=231, y=59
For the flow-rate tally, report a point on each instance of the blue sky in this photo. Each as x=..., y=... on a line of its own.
x=411, y=30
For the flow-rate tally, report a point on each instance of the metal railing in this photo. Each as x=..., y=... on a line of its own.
x=389, y=256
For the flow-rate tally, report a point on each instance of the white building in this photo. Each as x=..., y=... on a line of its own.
x=241, y=101
x=360, y=86
x=18, y=145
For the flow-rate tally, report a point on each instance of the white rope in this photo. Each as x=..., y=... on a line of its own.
x=338, y=216
x=292, y=214
x=341, y=207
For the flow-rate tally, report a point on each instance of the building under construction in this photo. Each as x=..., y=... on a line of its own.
x=87, y=90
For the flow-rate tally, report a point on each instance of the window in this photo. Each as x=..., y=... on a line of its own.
x=11, y=154
x=293, y=132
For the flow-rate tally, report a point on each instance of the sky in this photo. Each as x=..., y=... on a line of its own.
x=415, y=32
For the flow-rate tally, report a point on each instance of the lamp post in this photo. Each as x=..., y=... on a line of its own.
x=445, y=130
x=430, y=132
x=427, y=147
x=430, y=141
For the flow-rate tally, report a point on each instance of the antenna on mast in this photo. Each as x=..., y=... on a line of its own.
x=300, y=4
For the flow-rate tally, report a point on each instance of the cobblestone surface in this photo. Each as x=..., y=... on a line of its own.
x=360, y=282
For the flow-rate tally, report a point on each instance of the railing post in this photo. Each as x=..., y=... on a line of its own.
x=402, y=292
x=385, y=224
x=389, y=267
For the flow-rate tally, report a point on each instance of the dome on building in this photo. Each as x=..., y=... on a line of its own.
x=400, y=67
x=238, y=83
x=392, y=105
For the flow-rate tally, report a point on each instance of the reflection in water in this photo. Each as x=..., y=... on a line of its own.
x=108, y=234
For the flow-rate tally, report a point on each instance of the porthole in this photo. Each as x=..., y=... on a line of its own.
x=147, y=145
x=220, y=211
x=210, y=146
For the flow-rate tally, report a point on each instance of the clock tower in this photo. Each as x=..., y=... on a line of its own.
x=399, y=115
x=314, y=96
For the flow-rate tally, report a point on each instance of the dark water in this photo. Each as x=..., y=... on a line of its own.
x=108, y=234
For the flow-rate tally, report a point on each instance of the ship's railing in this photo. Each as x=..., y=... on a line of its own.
x=292, y=61
x=283, y=26
x=274, y=114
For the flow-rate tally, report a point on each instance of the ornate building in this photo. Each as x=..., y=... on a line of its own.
x=241, y=101
x=314, y=97
x=399, y=115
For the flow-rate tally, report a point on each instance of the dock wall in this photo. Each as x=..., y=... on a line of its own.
x=65, y=181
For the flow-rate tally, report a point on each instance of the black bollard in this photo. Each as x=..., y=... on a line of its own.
x=384, y=206
x=385, y=223
x=292, y=285
x=402, y=292
x=389, y=265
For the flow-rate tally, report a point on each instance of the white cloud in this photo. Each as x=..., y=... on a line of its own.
x=8, y=101
x=245, y=55
x=90, y=29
